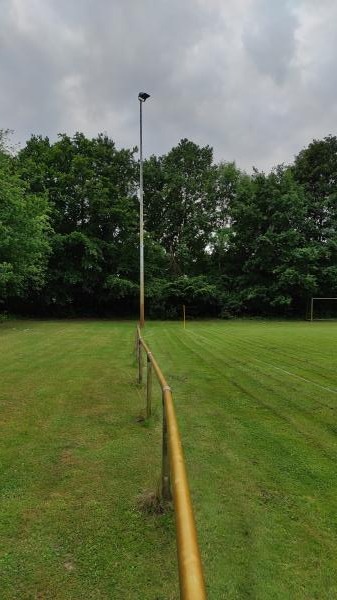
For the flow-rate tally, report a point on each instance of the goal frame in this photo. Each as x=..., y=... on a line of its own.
x=312, y=309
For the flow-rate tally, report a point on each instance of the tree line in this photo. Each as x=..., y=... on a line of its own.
x=218, y=240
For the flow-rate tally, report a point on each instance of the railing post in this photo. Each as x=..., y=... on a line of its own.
x=140, y=363
x=148, y=386
x=165, y=476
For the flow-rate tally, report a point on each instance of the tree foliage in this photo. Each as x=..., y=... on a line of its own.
x=315, y=169
x=24, y=234
x=218, y=240
x=182, y=193
x=271, y=259
x=92, y=193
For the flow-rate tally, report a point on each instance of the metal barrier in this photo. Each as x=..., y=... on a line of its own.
x=191, y=578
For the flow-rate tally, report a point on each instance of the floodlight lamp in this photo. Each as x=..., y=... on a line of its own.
x=142, y=96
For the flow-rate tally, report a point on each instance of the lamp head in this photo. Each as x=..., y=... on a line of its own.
x=142, y=96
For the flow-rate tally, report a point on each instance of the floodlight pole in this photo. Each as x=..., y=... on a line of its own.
x=142, y=96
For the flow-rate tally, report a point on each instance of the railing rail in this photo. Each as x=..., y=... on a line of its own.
x=191, y=578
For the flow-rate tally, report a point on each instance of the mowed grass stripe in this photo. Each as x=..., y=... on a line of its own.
x=276, y=340
x=288, y=381
x=276, y=390
x=261, y=393
x=250, y=357
x=304, y=355
x=306, y=359
x=261, y=454
x=274, y=384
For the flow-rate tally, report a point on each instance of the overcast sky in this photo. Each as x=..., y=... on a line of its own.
x=255, y=79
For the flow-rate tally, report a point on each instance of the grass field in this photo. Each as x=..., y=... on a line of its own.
x=256, y=402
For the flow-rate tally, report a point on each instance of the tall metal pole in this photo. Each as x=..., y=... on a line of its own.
x=142, y=96
x=141, y=220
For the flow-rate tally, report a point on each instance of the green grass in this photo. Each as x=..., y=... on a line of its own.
x=73, y=460
x=261, y=450
x=256, y=402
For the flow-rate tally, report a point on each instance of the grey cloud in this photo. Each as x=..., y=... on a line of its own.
x=269, y=37
x=255, y=79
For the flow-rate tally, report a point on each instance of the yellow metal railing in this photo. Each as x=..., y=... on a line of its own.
x=191, y=578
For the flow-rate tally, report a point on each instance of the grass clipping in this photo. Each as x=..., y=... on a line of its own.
x=150, y=502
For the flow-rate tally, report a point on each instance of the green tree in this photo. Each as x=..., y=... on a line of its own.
x=316, y=169
x=166, y=296
x=271, y=263
x=24, y=233
x=181, y=193
x=92, y=188
x=227, y=182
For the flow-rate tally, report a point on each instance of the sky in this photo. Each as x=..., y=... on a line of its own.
x=254, y=79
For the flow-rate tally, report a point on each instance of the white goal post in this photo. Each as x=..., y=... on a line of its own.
x=312, y=318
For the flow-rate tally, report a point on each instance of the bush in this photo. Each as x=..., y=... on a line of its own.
x=165, y=298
